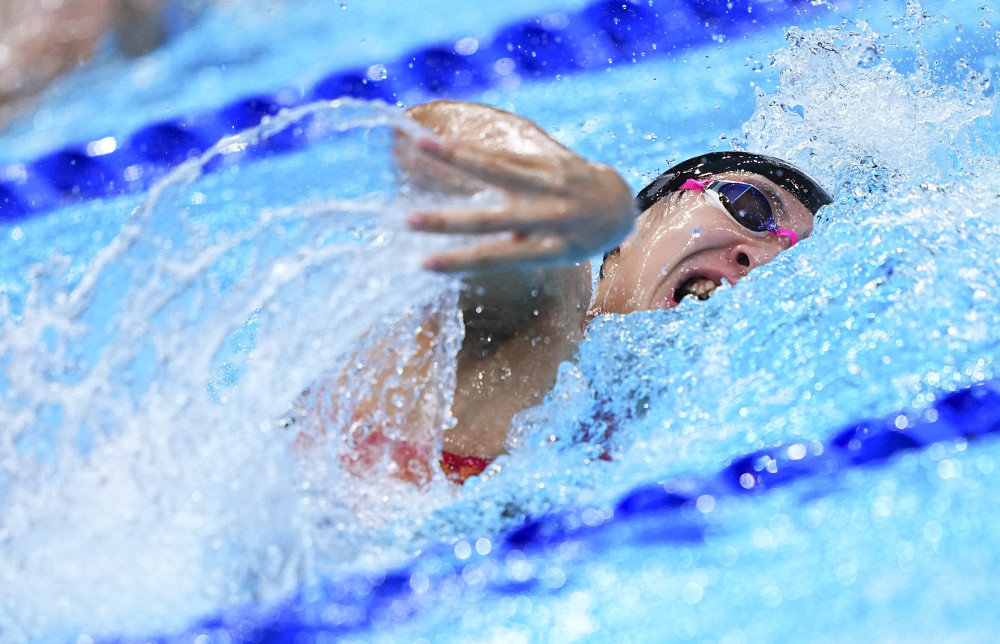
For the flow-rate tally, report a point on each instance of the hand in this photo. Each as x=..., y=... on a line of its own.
x=560, y=207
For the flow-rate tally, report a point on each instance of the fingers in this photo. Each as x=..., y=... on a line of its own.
x=518, y=215
x=500, y=252
x=499, y=167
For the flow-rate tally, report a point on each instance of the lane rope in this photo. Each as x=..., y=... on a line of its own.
x=602, y=35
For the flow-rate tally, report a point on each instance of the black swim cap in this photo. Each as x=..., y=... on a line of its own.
x=798, y=183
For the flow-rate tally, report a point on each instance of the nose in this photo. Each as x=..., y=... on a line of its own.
x=746, y=257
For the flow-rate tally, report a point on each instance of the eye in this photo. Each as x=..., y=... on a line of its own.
x=776, y=203
x=747, y=204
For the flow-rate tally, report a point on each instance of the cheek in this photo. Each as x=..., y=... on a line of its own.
x=801, y=222
x=763, y=253
x=806, y=228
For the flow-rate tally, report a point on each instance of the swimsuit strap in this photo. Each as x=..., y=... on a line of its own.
x=458, y=468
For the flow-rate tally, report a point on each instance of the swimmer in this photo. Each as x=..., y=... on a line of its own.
x=40, y=41
x=526, y=298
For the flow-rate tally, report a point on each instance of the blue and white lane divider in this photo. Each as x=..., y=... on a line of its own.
x=520, y=560
x=604, y=34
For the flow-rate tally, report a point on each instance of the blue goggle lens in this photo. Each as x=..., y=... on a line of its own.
x=747, y=205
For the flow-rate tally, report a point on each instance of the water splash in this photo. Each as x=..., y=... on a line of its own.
x=843, y=110
x=887, y=306
x=144, y=474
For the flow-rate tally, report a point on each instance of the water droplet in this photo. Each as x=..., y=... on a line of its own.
x=696, y=231
x=871, y=57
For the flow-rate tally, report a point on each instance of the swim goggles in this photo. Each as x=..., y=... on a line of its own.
x=746, y=204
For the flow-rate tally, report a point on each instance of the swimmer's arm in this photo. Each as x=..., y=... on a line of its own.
x=39, y=41
x=527, y=285
x=560, y=210
x=560, y=207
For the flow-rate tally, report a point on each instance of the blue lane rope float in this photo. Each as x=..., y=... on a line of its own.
x=519, y=560
x=603, y=34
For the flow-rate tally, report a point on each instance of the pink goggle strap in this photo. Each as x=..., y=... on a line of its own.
x=793, y=238
x=694, y=184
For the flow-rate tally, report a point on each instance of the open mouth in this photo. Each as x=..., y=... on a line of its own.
x=698, y=286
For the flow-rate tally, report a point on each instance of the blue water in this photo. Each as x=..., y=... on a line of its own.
x=147, y=487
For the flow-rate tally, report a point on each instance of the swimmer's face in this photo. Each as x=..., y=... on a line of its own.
x=683, y=246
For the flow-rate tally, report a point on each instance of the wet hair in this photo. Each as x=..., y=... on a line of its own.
x=801, y=186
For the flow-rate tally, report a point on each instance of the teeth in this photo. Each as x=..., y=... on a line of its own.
x=701, y=288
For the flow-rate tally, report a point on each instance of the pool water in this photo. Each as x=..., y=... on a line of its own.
x=788, y=459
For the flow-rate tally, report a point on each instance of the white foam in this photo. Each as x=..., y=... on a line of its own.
x=185, y=495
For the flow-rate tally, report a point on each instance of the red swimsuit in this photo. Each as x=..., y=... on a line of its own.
x=414, y=459
x=458, y=468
